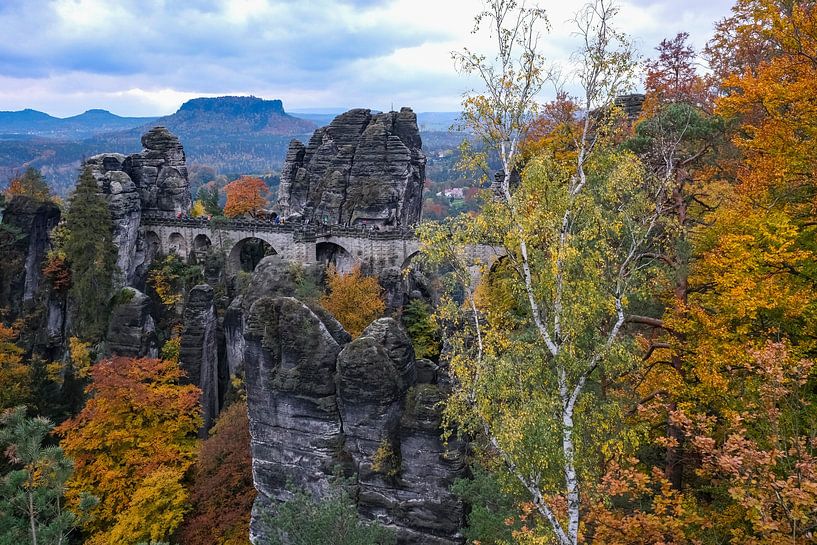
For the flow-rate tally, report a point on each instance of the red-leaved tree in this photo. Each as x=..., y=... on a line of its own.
x=222, y=490
x=246, y=195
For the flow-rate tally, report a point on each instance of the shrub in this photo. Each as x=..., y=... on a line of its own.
x=331, y=521
x=385, y=461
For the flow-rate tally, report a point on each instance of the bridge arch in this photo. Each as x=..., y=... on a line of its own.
x=201, y=243
x=330, y=253
x=409, y=260
x=177, y=244
x=247, y=253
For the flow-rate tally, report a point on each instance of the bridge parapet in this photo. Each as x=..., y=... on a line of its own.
x=307, y=232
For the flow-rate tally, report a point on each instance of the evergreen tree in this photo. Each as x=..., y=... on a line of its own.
x=91, y=252
x=31, y=508
x=209, y=199
x=421, y=327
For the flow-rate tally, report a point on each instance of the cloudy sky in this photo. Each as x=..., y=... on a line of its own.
x=145, y=57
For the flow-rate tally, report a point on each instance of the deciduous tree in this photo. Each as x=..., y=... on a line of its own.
x=354, y=299
x=132, y=443
x=15, y=376
x=532, y=373
x=679, y=139
x=246, y=195
x=422, y=328
x=30, y=184
x=198, y=210
x=222, y=491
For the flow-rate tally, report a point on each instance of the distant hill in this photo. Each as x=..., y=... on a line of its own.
x=437, y=121
x=34, y=123
x=233, y=134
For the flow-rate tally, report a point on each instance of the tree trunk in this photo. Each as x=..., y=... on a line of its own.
x=31, y=519
x=674, y=463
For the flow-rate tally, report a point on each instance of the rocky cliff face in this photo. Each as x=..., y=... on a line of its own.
x=153, y=180
x=131, y=329
x=199, y=351
x=273, y=276
x=361, y=168
x=160, y=172
x=126, y=210
x=319, y=401
x=400, y=288
x=33, y=220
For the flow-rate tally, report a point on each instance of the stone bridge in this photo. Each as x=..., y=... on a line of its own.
x=342, y=246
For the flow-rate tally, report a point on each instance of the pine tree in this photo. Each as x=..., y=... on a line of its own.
x=91, y=252
x=31, y=503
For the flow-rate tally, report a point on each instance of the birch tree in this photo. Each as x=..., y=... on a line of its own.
x=500, y=115
x=543, y=337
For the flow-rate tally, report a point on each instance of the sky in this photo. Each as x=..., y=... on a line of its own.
x=146, y=57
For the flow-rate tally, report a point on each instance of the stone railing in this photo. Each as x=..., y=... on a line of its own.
x=303, y=232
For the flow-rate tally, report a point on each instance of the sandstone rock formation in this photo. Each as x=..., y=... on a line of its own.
x=399, y=288
x=33, y=220
x=361, y=168
x=198, y=357
x=273, y=276
x=126, y=210
x=630, y=104
x=160, y=172
x=319, y=402
x=154, y=180
x=131, y=329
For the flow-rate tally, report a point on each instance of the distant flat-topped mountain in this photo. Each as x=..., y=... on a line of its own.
x=232, y=134
x=233, y=115
x=34, y=123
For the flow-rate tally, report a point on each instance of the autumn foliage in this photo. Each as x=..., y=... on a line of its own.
x=246, y=195
x=132, y=444
x=30, y=184
x=662, y=266
x=57, y=271
x=354, y=299
x=221, y=491
x=15, y=375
